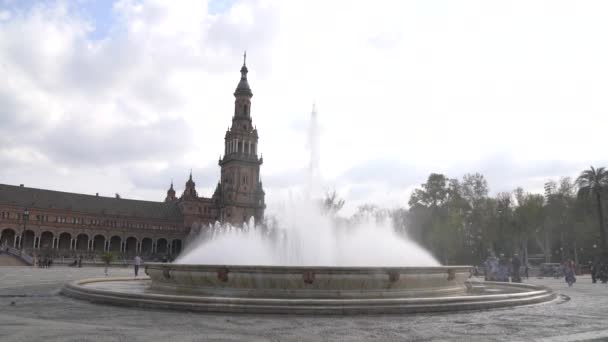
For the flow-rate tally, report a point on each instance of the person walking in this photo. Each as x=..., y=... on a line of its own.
x=515, y=264
x=136, y=264
x=570, y=272
x=594, y=268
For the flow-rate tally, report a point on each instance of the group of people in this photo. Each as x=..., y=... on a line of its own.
x=599, y=271
x=45, y=262
x=504, y=269
x=501, y=269
x=77, y=262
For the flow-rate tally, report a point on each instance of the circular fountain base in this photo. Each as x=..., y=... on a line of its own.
x=307, y=290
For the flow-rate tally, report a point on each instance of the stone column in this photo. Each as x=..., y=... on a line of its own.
x=237, y=146
x=73, y=244
x=16, y=240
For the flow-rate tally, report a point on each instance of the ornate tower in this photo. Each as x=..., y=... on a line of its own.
x=170, y=194
x=241, y=195
x=190, y=190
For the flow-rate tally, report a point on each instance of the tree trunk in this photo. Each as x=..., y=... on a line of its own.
x=563, y=248
x=601, y=218
x=575, y=252
x=547, y=246
x=526, y=250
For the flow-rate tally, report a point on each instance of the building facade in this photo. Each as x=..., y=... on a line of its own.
x=56, y=223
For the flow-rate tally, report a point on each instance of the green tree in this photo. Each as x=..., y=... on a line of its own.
x=433, y=193
x=369, y=211
x=594, y=182
x=528, y=221
x=427, y=209
x=560, y=216
x=478, y=214
x=500, y=233
x=332, y=203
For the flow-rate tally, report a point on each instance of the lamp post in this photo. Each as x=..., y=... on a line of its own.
x=26, y=216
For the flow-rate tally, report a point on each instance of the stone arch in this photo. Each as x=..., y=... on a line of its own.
x=7, y=237
x=146, y=246
x=161, y=246
x=28, y=239
x=99, y=242
x=65, y=241
x=131, y=245
x=82, y=242
x=46, y=240
x=115, y=242
x=176, y=246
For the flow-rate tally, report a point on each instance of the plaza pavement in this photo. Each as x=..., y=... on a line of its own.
x=31, y=309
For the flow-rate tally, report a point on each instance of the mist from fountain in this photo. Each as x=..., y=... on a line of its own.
x=299, y=233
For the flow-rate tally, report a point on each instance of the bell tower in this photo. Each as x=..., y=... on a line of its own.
x=240, y=189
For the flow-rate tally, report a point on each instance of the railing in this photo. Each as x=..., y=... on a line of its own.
x=19, y=254
x=61, y=256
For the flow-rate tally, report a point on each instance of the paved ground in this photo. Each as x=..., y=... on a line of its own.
x=32, y=310
x=9, y=260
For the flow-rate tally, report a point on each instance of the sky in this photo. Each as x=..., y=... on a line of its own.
x=124, y=96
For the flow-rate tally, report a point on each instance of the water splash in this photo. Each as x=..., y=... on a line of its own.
x=299, y=234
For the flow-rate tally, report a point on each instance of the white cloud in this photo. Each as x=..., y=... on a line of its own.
x=422, y=87
x=5, y=15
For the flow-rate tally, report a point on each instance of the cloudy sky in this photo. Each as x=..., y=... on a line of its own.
x=124, y=96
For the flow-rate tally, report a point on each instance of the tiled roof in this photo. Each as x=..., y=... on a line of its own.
x=91, y=204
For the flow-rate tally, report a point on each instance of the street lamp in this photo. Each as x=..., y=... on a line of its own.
x=26, y=216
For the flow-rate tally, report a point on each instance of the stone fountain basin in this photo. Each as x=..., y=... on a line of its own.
x=308, y=282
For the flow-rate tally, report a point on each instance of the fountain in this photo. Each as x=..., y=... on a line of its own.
x=305, y=261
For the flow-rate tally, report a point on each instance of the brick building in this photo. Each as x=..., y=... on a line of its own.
x=66, y=224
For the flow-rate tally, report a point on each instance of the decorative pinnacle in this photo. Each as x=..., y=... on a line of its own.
x=245, y=58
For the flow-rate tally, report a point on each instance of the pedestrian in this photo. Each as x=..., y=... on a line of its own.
x=570, y=272
x=79, y=261
x=516, y=264
x=527, y=270
x=503, y=269
x=136, y=264
x=593, y=268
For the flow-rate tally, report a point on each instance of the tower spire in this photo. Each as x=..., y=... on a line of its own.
x=170, y=193
x=242, y=89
